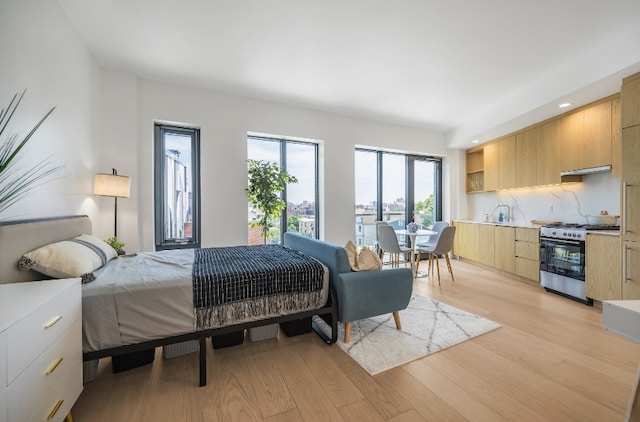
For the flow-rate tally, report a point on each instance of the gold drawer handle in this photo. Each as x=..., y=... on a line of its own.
x=53, y=366
x=52, y=322
x=54, y=410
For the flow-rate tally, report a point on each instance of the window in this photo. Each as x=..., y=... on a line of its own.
x=299, y=159
x=395, y=188
x=177, y=187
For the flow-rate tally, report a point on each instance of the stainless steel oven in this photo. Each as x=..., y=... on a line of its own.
x=562, y=261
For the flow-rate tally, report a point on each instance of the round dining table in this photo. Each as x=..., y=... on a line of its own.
x=413, y=245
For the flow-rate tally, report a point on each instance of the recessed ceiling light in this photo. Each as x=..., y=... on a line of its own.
x=475, y=141
x=564, y=105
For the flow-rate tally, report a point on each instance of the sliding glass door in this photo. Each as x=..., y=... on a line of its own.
x=396, y=188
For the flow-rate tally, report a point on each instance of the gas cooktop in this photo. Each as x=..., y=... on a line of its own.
x=572, y=231
x=584, y=226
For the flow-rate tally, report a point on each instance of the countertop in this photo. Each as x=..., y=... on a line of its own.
x=495, y=223
x=537, y=226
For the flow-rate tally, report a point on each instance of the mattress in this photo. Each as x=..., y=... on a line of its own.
x=145, y=297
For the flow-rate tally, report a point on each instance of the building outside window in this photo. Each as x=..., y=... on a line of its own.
x=177, y=187
x=299, y=159
x=396, y=188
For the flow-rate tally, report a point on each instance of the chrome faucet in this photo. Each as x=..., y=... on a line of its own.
x=507, y=216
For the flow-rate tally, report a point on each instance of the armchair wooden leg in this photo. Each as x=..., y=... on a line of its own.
x=347, y=332
x=438, y=266
x=396, y=317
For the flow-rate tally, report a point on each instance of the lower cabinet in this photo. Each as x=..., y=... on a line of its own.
x=603, y=269
x=511, y=249
x=528, y=253
x=505, y=249
x=631, y=271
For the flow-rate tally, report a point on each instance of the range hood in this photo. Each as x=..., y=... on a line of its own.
x=590, y=170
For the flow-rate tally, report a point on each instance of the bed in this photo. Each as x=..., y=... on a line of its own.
x=130, y=306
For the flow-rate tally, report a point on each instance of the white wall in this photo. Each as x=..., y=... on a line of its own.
x=40, y=52
x=568, y=203
x=224, y=122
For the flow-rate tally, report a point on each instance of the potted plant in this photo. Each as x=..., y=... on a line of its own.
x=266, y=182
x=16, y=181
x=116, y=244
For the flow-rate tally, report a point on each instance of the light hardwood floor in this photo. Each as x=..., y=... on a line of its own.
x=550, y=361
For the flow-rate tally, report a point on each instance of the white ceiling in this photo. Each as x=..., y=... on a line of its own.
x=467, y=68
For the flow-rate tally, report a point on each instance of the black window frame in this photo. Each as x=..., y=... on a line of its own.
x=161, y=243
x=282, y=141
x=410, y=180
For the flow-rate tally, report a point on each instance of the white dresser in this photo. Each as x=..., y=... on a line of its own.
x=40, y=349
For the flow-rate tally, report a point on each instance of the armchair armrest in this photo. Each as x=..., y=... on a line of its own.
x=370, y=293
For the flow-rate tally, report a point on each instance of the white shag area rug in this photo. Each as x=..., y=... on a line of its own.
x=427, y=327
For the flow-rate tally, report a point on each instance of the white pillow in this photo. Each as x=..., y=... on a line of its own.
x=77, y=257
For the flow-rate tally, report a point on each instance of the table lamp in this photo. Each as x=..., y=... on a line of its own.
x=113, y=185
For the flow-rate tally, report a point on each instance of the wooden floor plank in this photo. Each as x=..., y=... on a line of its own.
x=550, y=360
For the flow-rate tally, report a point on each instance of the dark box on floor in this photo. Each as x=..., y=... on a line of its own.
x=132, y=360
x=227, y=340
x=296, y=327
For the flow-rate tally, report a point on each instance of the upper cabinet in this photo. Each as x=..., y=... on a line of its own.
x=597, y=135
x=507, y=162
x=526, y=158
x=535, y=156
x=548, y=162
x=630, y=99
x=571, y=141
x=491, y=166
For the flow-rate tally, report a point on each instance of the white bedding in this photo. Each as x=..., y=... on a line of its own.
x=144, y=297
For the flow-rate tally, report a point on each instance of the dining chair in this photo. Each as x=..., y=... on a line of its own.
x=388, y=242
x=378, y=248
x=443, y=246
x=433, y=239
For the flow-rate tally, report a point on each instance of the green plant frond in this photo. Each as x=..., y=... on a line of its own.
x=6, y=115
x=16, y=181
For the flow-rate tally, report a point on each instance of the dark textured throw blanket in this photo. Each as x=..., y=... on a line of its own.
x=239, y=283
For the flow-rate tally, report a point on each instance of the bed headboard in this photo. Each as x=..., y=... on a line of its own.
x=20, y=237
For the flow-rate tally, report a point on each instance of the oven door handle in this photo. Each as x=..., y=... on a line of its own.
x=561, y=241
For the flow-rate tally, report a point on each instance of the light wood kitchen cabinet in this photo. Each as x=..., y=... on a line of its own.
x=486, y=239
x=505, y=255
x=526, y=160
x=597, y=135
x=465, y=243
x=491, y=166
x=616, y=137
x=507, y=162
x=630, y=270
x=630, y=101
x=548, y=153
x=630, y=187
x=572, y=145
x=475, y=171
x=630, y=176
x=603, y=271
x=528, y=253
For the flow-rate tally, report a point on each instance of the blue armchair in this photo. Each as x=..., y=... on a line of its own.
x=359, y=294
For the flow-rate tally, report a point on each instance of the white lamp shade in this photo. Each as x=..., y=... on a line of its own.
x=112, y=185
